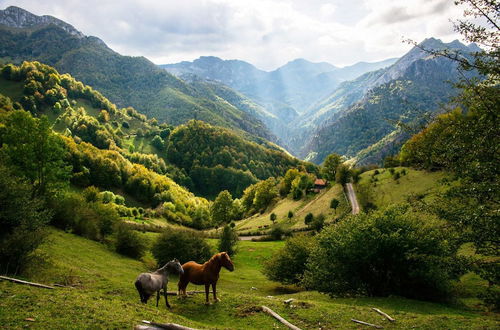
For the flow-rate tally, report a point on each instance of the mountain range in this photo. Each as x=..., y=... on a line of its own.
x=311, y=109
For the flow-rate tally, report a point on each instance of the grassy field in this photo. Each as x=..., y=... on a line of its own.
x=103, y=296
x=316, y=204
x=383, y=189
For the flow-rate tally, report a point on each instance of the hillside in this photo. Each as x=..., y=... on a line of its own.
x=315, y=203
x=79, y=111
x=382, y=187
x=217, y=159
x=125, y=80
x=406, y=94
x=101, y=293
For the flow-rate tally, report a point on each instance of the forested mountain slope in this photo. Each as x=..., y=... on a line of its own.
x=125, y=80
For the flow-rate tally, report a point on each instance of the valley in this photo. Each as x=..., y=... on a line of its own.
x=330, y=189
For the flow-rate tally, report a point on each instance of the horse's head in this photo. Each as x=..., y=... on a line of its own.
x=175, y=266
x=225, y=261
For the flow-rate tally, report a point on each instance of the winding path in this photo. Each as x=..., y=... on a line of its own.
x=352, y=198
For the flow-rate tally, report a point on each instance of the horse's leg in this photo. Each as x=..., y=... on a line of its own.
x=214, y=288
x=166, y=296
x=157, y=297
x=207, y=291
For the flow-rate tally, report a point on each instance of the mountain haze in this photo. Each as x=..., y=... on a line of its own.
x=125, y=80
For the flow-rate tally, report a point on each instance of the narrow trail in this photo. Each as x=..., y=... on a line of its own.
x=352, y=198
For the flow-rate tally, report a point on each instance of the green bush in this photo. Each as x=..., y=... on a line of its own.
x=308, y=218
x=289, y=263
x=129, y=242
x=317, y=223
x=185, y=245
x=385, y=252
x=228, y=240
x=22, y=221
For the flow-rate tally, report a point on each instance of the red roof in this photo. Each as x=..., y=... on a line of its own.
x=320, y=182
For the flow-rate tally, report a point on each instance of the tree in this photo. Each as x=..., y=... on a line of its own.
x=465, y=141
x=405, y=256
x=308, y=218
x=185, y=245
x=157, y=142
x=334, y=203
x=228, y=240
x=330, y=165
x=222, y=208
x=343, y=174
x=23, y=221
x=290, y=214
x=272, y=217
x=37, y=156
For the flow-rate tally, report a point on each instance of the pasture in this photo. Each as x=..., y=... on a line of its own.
x=102, y=295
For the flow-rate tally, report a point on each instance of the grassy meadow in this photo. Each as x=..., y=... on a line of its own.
x=101, y=294
x=314, y=203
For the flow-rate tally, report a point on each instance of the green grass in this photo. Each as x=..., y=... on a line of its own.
x=316, y=204
x=103, y=296
x=383, y=190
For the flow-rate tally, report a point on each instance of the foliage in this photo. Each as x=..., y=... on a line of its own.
x=185, y=245
x=244, y=161
x=317, y=223
x=23, y=221
x=39, y=156
x=228, y=240
x=334, y=203
x=272, y=217
x=465, y=141
x=343, y=174
x=308, y=218
x=129, y=242
x=330, y=165
x=222, y=209
x=89, y=218
x=257, y=197
x=288, y=264
x=385, y=252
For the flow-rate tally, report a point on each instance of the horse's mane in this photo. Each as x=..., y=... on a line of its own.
x=214, y=258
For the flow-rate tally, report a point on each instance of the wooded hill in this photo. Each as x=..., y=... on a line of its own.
x=124, y=137
x=125, y=80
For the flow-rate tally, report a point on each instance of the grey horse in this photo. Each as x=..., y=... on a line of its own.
x=149, y=283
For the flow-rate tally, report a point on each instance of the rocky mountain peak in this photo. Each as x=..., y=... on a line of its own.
x=19, y=18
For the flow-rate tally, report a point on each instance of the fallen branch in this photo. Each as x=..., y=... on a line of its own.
x=365, y=323
x=15, y=280
x=154, y=325
x=279, y=318
x=384, y=314
x=174, y=293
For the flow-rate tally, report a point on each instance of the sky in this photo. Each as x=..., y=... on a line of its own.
x=266, y=33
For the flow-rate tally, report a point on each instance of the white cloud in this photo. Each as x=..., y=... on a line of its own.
x=263, y=32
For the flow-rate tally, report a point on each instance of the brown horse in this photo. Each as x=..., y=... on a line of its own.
x=207, y=274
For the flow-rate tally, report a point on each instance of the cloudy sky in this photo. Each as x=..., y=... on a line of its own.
x=266, y=33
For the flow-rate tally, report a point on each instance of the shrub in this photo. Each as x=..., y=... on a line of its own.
x=308, y=218
x=290, y=214
x=228, y=240
x=129, y=242
x=272, y=217
x=289, y=263
x=277, y=233
x=185, y=245
x=317, y=223
x=22, y=223
x=385, y=252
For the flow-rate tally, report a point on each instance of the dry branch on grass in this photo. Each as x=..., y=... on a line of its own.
x=15, y=280
x=383, y=314
x=279, y=318
x=154, y=326
x=366, y=323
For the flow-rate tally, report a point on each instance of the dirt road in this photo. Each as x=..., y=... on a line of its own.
x=352, y=198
